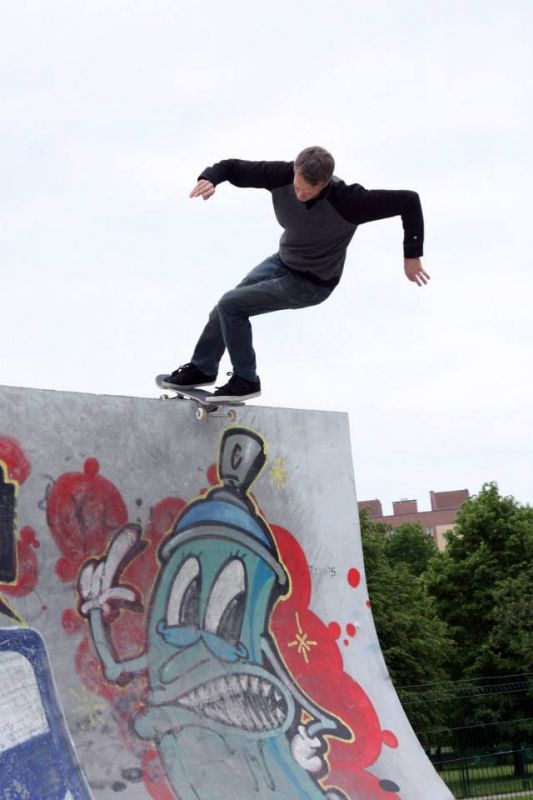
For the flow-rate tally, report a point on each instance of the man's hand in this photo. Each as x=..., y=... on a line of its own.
x=203, y=189
x=415, y=272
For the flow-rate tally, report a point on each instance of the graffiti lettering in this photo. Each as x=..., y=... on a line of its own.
x=328, y=571
x=8, y=554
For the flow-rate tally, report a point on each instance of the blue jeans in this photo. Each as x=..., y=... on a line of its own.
x=268, y=287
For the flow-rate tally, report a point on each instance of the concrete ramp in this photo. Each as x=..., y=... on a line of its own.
x=183, y=609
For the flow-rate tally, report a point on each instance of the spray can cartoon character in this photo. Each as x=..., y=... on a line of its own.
x=224, y=714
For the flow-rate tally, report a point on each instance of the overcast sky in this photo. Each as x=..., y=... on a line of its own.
x=109, y=109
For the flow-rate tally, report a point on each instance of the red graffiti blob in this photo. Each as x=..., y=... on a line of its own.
x=334, y=630
x=389, y=739
x=351, y=630
x=71, y=621
x=83, y=511
x=354, y=577
x=11, y=453
x=213, y=479
x=212, y=475
x=310, y=652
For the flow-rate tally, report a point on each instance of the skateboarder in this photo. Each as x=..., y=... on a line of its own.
x=319, y=214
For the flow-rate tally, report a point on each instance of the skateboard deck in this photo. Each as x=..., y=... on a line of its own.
x=206, y=406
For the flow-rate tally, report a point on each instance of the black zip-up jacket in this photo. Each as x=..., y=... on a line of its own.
x=317, y=233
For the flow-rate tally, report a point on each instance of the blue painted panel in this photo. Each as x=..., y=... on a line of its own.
x=37, y=759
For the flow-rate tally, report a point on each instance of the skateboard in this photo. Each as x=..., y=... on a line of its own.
x=223, y=408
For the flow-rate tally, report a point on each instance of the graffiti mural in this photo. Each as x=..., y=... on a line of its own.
x=230, y=679
x=201, y=596
x=36, y=757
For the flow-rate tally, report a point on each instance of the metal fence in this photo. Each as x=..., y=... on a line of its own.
x=490, y=776
x=489, y=760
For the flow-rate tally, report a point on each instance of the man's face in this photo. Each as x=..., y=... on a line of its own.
x=305, y=191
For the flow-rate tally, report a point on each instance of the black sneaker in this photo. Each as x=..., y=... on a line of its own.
x=236, y=389
x=188, y=376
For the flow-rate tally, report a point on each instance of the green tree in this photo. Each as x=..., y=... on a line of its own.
x=409, y=544
x=510, y=642
x=414, y=642
x=492, y=542
x=482, y=587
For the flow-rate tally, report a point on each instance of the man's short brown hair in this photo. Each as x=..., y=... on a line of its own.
x=315, y=165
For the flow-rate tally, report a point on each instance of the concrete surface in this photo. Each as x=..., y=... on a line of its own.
x=183, y=609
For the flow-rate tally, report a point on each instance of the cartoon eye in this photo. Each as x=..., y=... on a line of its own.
x=225, y=609
x=184, y=600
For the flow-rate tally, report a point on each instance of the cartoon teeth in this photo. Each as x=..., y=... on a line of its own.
x=243, y=700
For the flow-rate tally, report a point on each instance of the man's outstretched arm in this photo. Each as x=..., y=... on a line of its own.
x=359, y=205
x=245, y=174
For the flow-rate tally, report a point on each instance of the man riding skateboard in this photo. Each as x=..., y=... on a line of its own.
x=319, y=214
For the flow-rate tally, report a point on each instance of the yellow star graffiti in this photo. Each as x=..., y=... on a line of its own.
x=89, y=709
x=303, y=644
x=278, y=475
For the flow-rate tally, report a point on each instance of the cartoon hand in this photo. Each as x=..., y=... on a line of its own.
x=304, y=750
x=97, y=584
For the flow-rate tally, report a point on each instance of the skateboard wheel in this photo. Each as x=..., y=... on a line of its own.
x=232, y=415
x=200, y=413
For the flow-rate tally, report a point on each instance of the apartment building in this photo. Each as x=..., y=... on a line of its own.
x=441, y=518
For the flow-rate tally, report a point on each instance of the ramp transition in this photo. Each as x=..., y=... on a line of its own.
x=183, y=609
